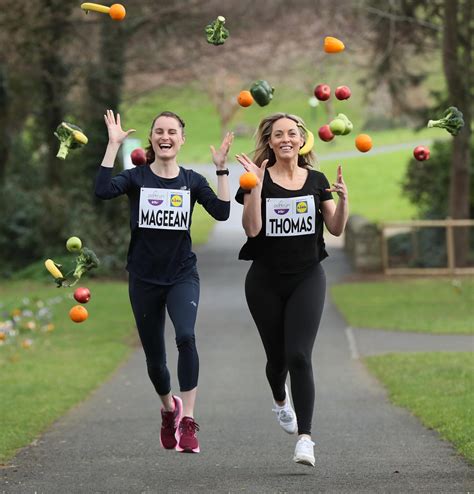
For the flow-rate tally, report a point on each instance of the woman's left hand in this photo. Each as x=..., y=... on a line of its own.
x=219, y=157
x=339, y=187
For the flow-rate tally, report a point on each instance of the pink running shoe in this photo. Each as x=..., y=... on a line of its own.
x=187, y=440
x=169, y=424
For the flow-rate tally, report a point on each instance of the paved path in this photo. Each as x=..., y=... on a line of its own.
x=109, y=444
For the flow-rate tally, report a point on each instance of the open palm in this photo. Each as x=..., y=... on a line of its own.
x=114, y=128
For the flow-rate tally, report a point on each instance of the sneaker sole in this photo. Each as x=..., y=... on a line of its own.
x=187, y=450
x=304, y=460
x=180, y=416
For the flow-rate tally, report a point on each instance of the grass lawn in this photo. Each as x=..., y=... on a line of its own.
x=424, y=305
x=40, y=383
x=436, y=387
x=374, y=184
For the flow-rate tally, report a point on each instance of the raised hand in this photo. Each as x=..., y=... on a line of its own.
x=339, y=187
x=250, y=166
x=114, y=128
x=219, y=157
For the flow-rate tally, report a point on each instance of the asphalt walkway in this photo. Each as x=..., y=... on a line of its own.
x=109, y=443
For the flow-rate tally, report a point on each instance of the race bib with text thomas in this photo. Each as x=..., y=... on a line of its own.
x=165, y=209
x=288, y=217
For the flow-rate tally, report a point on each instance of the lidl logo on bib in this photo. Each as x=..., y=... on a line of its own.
x=164, y=209
x=176, y=200
x=301, y=207
x=290, y=217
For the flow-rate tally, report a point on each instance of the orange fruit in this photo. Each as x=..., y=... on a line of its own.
x=248, y=180
x=245, y=98
x=363, y=143
x=78, y=313
x=333, y=45
x=117, y=12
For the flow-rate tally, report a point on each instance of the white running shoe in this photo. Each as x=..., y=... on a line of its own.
x=286, y=415
x=304, y=452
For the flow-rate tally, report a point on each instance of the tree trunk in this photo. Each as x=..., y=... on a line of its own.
x=5, y=142
x=456, y=44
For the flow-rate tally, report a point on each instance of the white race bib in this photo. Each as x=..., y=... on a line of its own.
x=164, y=209
x=289, y=217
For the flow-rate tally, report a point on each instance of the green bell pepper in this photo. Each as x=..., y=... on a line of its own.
x=262, y=92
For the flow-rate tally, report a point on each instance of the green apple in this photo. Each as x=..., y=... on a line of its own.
x=337, y=126
x=73, y=244
x=349, y=128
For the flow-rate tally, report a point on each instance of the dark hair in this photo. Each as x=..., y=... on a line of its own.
x=150, y=153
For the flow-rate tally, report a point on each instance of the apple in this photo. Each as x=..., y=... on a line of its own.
x=342, y=92
x=322, y=92
x=73, y=244
x=138, y=157
x=325, y=133
x=82, y=295
x=337, y=126
x=421, y=153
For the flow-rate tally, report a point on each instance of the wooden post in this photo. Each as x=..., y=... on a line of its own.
x=450, y=245
x=384, y=246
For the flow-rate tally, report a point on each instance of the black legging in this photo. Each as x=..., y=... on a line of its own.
x=149, y=303
x=287, y=310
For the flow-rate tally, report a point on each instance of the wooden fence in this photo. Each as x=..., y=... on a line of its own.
x=449, y=224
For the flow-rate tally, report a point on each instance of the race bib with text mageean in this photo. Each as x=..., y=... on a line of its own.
x=288, y=217
x=165, y=209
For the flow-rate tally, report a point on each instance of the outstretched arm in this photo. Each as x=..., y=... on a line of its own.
x=335, y=217
x=219, y=158
x=116, y=138
x=252, y=213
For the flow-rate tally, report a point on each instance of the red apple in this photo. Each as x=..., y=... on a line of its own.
x=343, y=92
x=421, y=153
x=325, y=133
x=138, y=157
x=82, y=295
x=322, y=92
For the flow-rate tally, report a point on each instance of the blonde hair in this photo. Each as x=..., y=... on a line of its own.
x=262, y=137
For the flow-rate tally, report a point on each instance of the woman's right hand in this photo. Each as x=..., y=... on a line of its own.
x=250, y=166
x=116, y=134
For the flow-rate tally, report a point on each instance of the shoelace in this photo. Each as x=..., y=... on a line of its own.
x=284, y=414
x=188, y=426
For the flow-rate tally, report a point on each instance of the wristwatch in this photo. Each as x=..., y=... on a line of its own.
x=225, y=171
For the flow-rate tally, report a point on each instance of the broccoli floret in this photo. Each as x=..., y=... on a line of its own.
x=216, y=32
x=85, y=261
x=70, y=137
x=452, y=121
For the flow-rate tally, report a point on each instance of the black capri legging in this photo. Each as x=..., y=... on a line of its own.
x=287, y=309
x=149, y=303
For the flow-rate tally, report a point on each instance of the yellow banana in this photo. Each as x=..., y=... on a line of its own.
x=308, y=146
x=96, y=7
x=80, y=137
x=53, y=269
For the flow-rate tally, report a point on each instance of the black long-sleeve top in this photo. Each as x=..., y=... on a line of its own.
x=160, y=218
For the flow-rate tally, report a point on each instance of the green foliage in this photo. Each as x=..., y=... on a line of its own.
x=426, y=183
x=435, y=387
x=429, y=306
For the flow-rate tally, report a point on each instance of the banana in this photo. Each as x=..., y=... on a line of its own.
x=308, y=146
x=53, y=269
x=80, y=137
x=96, y=7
